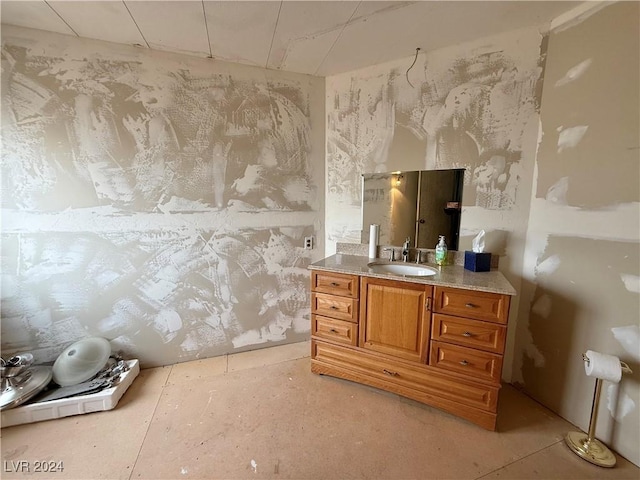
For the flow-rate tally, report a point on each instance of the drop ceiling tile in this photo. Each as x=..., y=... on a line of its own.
x=435, y=25
x=299, y=36
x=242, y=31
x=511, y=15
x=371, y=38
x=305, y=33
x=176, y=26
x=32, y=14
x=104, y=20
x=428, y=26
x=377, y=35
x=306, y=54
x=366, y=8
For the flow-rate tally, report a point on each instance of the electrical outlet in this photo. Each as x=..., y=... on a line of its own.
x=308, y=243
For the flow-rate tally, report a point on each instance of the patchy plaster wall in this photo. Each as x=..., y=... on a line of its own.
x=581, y=287
x=473, y=106
x=160, y=201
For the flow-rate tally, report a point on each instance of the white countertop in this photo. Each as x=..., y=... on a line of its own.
x=447, y=276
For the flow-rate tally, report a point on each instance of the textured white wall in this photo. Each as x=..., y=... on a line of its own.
x=154, y=199
x=472, y=106
x=581, y=288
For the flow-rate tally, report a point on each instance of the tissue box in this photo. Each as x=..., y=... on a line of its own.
x=477, y=262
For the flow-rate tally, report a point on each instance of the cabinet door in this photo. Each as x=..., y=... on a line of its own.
x=395, y=318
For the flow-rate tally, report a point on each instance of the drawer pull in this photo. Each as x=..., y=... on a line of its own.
x=335, y=284
x=333, y=307
x=470, y=305
x=333, y=330
x=389, y=372
x=467, y=334
x=464, y=363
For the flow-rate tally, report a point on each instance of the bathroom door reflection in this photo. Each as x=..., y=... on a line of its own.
x=439, y=207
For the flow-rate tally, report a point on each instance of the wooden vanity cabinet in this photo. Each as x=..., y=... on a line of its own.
x=438, y=345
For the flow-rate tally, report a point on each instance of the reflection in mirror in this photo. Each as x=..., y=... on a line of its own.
x=420, y=205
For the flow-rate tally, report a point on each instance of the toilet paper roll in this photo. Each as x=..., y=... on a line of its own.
x=373, y=240
x=601, y=365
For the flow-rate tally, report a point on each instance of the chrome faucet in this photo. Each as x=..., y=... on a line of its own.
x=405, y=250
x=392, y=254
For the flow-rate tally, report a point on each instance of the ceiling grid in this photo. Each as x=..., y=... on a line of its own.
x=321, y=38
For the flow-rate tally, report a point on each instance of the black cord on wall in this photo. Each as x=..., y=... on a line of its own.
x=414, y=62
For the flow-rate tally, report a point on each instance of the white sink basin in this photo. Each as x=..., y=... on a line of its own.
x=405, y=269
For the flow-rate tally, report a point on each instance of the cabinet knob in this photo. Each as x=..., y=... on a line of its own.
x=335, y=284
x=470, y=305
x=467, y=334
x=333, y=307
x=333, y=330
x=464, y=363
x=389, y=372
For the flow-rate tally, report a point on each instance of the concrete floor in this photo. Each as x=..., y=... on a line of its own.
x=262, y=414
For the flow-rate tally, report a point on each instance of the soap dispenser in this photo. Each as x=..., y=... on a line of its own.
x=441, y=251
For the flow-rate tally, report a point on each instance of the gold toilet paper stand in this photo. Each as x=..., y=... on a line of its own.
x=586, y=445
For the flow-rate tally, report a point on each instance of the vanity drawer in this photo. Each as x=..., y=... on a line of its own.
x=335, y=284
x=486, y=336
x=468, y=361
x=336, y=330
x=402, y=378
x=333, y=306
x=491, y=307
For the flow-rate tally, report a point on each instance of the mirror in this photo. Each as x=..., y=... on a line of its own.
x=420, y=205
